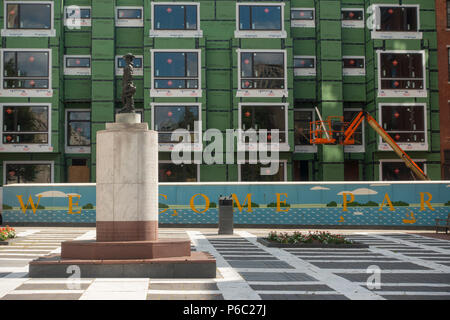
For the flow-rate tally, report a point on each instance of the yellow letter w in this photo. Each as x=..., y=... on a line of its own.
x=30, y=202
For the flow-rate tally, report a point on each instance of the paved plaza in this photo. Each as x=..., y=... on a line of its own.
x=410, y=266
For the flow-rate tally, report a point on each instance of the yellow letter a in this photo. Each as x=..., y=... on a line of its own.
x=389, y=203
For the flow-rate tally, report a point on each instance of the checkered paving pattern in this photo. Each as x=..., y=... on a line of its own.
x=410, y=267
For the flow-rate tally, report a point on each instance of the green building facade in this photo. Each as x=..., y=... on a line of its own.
x=230, y=64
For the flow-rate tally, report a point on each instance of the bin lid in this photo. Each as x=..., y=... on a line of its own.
x=226, y=201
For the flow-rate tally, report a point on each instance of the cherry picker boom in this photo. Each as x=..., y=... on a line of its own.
x=340, y=132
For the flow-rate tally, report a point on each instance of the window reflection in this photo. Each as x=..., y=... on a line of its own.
x=25, y=125
x=78, y=128
x=402, y=71
x=176, y=70
x=175, y=17
x=170, y=118
x=29, y=16
x=169, y=172
x=264, y=117
x=404, y=123
x=28, y=70
x=262, y=70
x=259, y=17
x=28, y=173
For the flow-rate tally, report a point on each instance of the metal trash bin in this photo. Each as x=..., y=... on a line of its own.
x=226, y=215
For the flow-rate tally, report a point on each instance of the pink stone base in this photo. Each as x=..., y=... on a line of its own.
x=122, y=250
x=127, y=230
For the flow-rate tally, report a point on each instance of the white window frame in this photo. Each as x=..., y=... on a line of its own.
x=73, y=149
x=27, y=92
x=263, y=146
x=299, y=148
x=77, y=71
x=129, y=22
x=351, y=148
x=196, y=146
x=75, y=23
x=263, y=33
x=26, y=148
x=136, y=71
x=198, y=169
x=194, y=93
x=176, y=33
x=352, y=23
x=393, y=34
x=402, y=93
x=380, y=169
x=241, y=162
x=304, y=23
x=28, y=32
x=306, y=71
x=354, y=71
x=407, y=146
x=51, y=163
x=272, y=93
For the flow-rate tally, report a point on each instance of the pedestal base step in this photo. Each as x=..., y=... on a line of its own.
x=197, y=265
x=118, y=250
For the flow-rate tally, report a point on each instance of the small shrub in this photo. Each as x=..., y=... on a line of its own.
x=282, y=205
x=88, y=206
x=400, y=204
x=213, y=205
x=332, y=204
x=370, y=204
x=7, y=207
x=162, y=205
x=448, y=203
x=254, y=205
x=322, y=237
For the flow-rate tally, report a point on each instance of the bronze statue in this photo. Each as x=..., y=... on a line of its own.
x=128, y=87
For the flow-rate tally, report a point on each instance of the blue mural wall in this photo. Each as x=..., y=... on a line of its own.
x=356, y=204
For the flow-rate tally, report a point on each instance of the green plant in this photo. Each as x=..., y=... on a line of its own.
x=213, y=205
x=332, y=204
x=40, y=207
x=7, y=233
x=7, y=207
x=322, y=237
x=254, y=205
x=400, y=204
x=370, y=204
x=162, y=205
x=88, y=206
x=447, y=203
x=282, y=205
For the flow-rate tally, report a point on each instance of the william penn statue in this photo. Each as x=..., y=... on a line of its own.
x=128, y=87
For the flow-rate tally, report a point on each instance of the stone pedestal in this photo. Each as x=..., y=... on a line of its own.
x=127, y=181
x=127, y=242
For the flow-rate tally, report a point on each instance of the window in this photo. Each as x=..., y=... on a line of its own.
x=353, y=66
x=170, y=117
x=78, y=131
x=358, y=146
x=263, y=116
x=176, y=73
x=28, y=19
x=25, y=128
x=129, y=17
x=77, y=65
x=253, y=172
x=304, y=65
x=170, y=172
x=352, y=18
x=397, y=22
x=396, y=170
x=302, y=120
x=406, y=124
x=176, y=20
x=137, y=64
x=401, y=74
x=303, y=18
x=262, y=73
x=26, y=72
x=260, y=20
x=27, y=172
x=76, y=17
